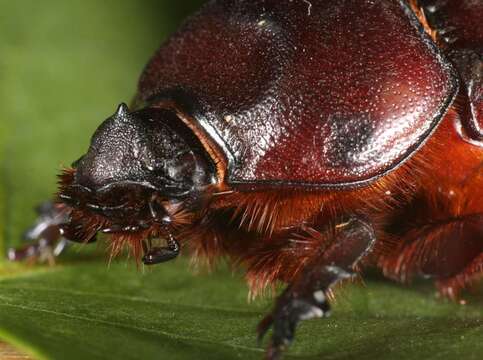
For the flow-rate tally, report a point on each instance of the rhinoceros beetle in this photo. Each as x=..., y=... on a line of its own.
x=302, y=140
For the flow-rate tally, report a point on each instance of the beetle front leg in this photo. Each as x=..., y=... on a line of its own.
x=307, y=296
x=45, y=239
x=48, y=237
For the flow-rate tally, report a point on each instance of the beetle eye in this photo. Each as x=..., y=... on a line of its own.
x=171, y=154
x=181, y=167
x=187, y=168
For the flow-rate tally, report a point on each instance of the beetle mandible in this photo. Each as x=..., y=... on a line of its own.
x=300, y=139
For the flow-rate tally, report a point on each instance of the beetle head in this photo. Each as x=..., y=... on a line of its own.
x=143, y=173
x=145, y=149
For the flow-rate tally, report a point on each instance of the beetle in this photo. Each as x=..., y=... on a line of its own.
x=303, y=140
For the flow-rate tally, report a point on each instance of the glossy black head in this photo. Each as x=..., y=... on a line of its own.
x=149, y=148
x=142, y=170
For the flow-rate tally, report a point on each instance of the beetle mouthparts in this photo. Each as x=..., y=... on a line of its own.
x=155, y=255
x=131, y=224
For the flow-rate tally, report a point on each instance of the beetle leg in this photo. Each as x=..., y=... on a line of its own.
x=156, y=255
x=449, y=250
x=45, y=237
x=307, y=296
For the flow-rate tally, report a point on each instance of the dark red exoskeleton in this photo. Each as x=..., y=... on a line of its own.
x=302, y=140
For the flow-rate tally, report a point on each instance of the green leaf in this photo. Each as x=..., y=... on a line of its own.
x=88, y=310
x=64, y=68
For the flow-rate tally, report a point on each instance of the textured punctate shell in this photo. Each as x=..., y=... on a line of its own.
x=320, y=92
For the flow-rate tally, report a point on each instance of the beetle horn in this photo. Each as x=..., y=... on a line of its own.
x=122, y=111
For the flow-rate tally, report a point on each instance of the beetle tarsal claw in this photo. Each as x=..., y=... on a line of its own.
x=156, y=255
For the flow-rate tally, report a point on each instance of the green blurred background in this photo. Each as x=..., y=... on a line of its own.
x=64, y=67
